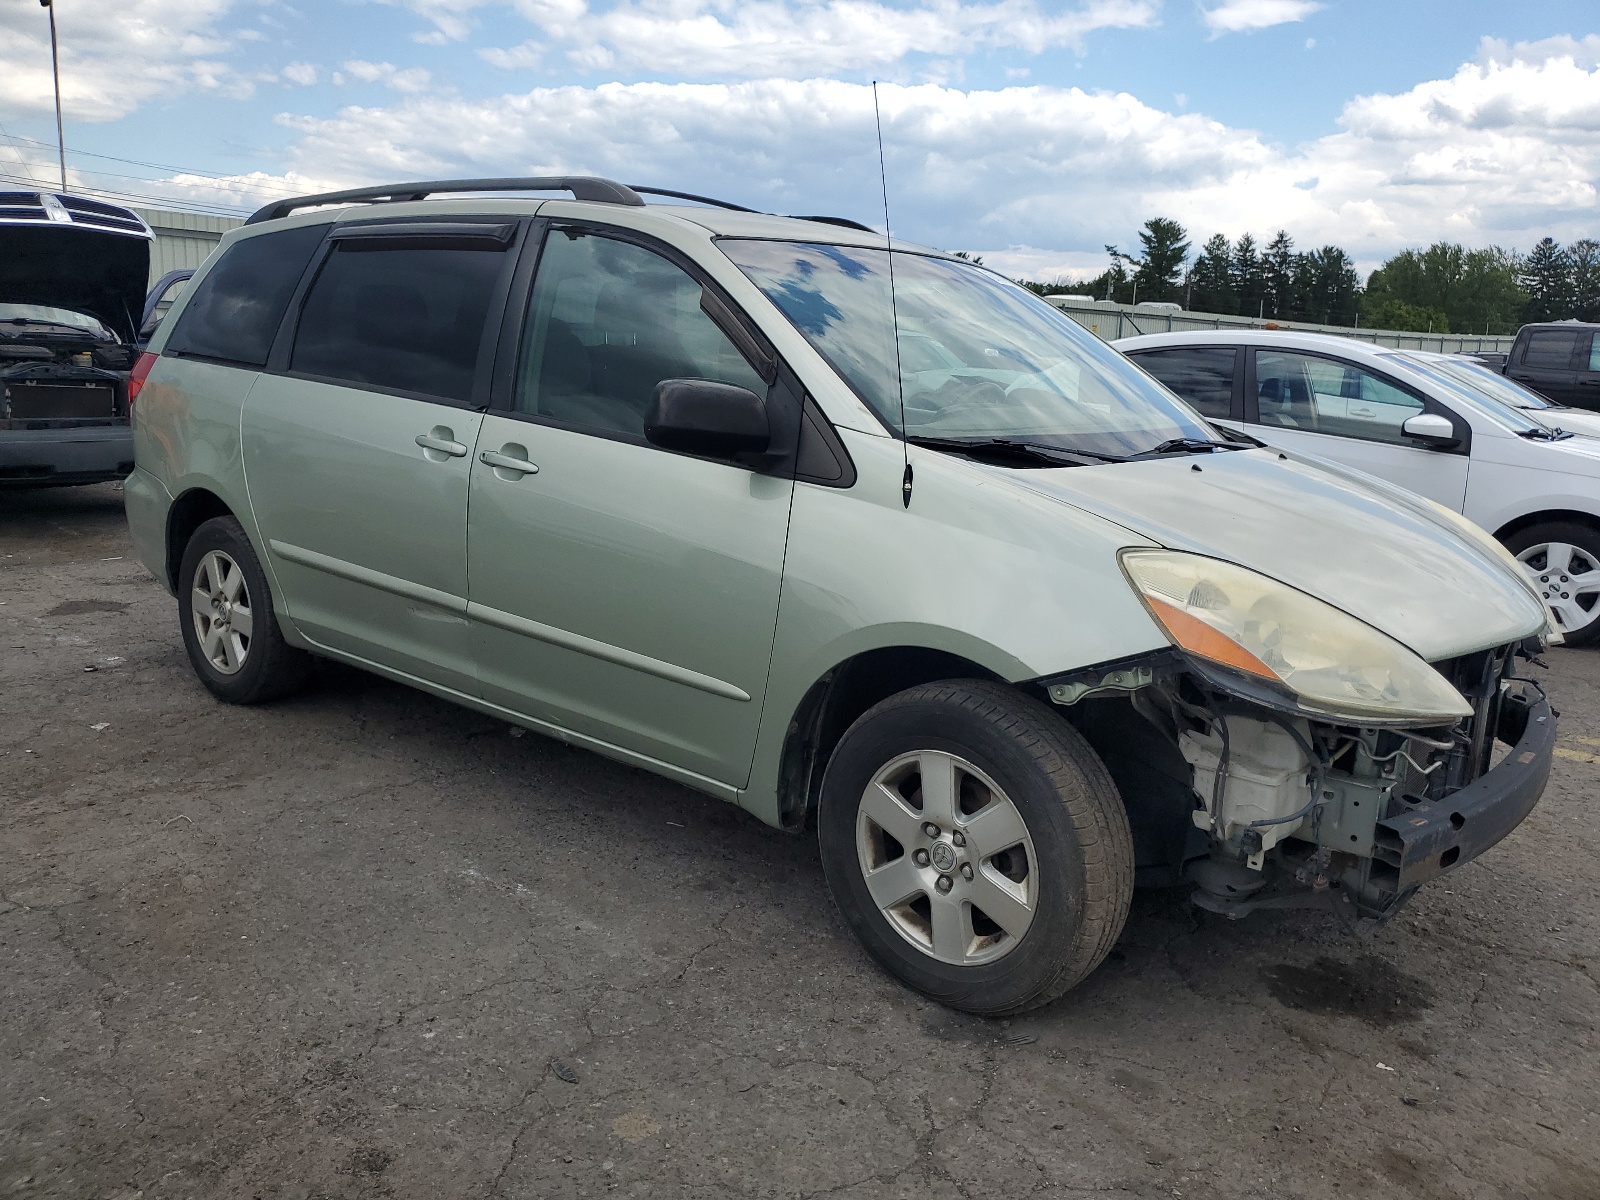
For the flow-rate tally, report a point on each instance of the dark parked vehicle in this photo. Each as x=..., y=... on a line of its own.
x=162, y=297
x=1559, y=360
x=72, y=291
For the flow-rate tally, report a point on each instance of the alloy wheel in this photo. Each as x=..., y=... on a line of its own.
x=220, y=603
x=947, y=858
x=1569, y=578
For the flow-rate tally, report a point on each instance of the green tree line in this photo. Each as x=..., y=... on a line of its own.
x=1445, y=288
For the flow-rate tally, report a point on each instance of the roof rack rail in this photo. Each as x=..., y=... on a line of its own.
x=842, y=222
x=582, y=187
x=650, y=191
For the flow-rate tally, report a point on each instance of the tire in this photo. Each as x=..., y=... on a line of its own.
x=1033, y=828
x=1566, y=544
x=242, y=662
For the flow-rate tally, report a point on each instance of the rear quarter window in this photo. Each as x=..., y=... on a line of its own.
x=236, y=309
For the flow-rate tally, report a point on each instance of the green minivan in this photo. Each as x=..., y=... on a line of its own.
x=865, y=539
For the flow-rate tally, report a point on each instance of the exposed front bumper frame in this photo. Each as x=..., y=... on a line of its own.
x=1435, y=836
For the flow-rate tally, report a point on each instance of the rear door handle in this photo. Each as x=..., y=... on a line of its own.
x=440, y=441
x=507, y=462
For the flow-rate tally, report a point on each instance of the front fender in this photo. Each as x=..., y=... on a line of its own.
x=976, y=567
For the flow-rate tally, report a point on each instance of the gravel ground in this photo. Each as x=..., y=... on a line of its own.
x=365, y=944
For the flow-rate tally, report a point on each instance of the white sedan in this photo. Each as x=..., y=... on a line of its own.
x=1415, y=421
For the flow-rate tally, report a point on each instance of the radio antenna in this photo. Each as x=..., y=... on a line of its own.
x=894, y=311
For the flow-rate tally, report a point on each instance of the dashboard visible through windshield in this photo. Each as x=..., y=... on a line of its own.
x=979, y=358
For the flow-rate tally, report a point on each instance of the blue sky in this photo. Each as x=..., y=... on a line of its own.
x=1030, y=131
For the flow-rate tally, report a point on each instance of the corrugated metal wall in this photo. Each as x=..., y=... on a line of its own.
x=1112, y=321
x=183, y=239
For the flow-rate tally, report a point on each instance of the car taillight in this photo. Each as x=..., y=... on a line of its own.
x=137, y=376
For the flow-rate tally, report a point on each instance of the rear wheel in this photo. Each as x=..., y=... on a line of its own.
x=1564, y=559
x=225, y=610
x=976, y=845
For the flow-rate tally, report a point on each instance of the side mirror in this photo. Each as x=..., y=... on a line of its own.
x=700, y=416
x=1431, y=430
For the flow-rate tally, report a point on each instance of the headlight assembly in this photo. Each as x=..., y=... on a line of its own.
x=1336, y=665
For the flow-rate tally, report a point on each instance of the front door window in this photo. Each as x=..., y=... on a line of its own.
x=610, y=320
x=1325, y=395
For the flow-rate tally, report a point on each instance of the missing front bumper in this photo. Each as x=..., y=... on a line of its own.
x=1430, y=837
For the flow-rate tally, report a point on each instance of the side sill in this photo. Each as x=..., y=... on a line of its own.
x=700, y=783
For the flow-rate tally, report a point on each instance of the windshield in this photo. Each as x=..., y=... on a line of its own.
x=1504, y=404
x=979, y=356
x=1481, y=378
x=12, y=314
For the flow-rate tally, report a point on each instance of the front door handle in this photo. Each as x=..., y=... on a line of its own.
x=502, y=461
x=441, y=441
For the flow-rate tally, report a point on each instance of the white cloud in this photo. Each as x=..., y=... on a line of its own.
x=1243, y=16
x=1585, y=51
x=795, y=38
x=302, y=73
x=1506, y=150
x=114, y=55
x=411, y=79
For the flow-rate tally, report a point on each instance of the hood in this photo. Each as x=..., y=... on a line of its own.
x=1573, y=420
x=58, y=265
x=1376, y=552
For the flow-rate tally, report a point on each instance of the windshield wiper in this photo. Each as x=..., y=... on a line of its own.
x=1545, y=435
x=1186, y=445
x=1055, y=456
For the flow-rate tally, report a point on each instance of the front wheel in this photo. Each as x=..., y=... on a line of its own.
x=1564, y=560
x=976, y=845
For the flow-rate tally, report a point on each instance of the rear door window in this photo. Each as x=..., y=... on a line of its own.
x=1201, y=375
x=1550, y=349
x=236, y=309
x=393, y=315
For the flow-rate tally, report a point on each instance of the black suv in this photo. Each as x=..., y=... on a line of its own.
x=72, y=292
x=1560, y=360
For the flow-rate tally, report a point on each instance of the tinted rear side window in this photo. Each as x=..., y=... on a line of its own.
x=237, y=307
x=1202, y=375
x=398, y=318
x=1550, y=348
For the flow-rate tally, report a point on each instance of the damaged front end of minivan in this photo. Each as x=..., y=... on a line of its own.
x=1290, y=755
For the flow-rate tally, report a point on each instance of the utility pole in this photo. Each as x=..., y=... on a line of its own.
x=55, y=69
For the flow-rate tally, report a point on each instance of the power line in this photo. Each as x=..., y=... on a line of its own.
x=201, y=206
x=131, y=161
x=23, y=162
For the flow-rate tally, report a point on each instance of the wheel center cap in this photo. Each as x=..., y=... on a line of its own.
x=943, y=856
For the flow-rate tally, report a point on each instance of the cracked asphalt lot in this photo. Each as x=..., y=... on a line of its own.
x=365, y=944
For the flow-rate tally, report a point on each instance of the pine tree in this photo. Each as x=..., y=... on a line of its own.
x=1166, y=248
x=1547, y=278
x=1326, y=285
x=1248, y=283
x=1277, y=268
x=1213, y=289
x=1585, y=255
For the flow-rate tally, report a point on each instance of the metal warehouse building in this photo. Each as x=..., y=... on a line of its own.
x=183, y=239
